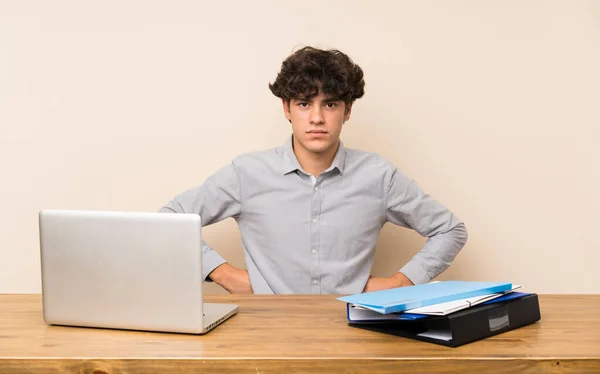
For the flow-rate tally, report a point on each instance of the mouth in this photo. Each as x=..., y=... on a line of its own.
x=317, y=132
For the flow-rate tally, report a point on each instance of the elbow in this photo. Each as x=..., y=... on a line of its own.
x=460, y=234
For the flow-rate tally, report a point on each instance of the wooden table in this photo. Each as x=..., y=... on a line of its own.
x=288, y=334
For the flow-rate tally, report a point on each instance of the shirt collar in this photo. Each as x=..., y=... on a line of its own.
x=290, y=162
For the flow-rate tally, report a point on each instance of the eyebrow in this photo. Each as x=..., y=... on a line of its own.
x=330, y=100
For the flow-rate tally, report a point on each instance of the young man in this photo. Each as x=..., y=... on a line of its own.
x=310, y=212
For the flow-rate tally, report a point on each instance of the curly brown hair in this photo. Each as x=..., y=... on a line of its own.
x=310, y=71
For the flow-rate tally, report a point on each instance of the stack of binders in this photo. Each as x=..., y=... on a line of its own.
x=451, y=313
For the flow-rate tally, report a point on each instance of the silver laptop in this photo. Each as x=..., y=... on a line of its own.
x=125, y=270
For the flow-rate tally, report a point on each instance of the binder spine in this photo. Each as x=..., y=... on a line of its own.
x=494, y=319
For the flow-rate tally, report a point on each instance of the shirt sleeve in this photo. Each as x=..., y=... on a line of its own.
x=218, y=198
x=408, y=206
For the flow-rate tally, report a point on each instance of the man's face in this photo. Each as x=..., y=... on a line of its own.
x=317, y=122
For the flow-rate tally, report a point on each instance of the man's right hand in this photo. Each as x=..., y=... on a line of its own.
x=234, y=280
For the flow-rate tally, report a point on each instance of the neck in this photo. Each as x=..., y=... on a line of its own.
x=315, y=163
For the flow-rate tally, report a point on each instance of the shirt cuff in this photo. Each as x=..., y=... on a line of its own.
x=210, y=261
x=415, y=272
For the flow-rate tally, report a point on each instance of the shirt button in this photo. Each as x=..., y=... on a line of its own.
x=314, y=220
x=314, y=251
x=315, y=282
x=316, y=188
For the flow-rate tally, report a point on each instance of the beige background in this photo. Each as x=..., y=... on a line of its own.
x=492, y=106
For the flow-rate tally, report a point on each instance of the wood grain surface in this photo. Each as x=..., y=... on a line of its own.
x=296, y=333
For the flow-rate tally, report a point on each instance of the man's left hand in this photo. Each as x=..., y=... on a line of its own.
x=384, y=283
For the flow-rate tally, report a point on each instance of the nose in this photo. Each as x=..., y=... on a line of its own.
x=316, y=115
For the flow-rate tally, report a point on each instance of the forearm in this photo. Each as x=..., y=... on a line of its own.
x=436, y=256
x=232, y=279
x=210, y=261
x=384, y=283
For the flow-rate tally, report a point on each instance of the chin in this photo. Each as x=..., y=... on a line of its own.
x=316, y=145
x=318, y=148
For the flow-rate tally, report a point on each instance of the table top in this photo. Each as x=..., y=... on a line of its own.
x=272, y=328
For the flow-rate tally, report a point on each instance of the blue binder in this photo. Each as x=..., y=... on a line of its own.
x=400, y=299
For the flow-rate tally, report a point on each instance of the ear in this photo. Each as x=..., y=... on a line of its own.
x=348, y=110
x=286, y=109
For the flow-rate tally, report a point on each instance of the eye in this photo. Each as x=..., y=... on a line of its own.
x=303, y=104
x=331, y=105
